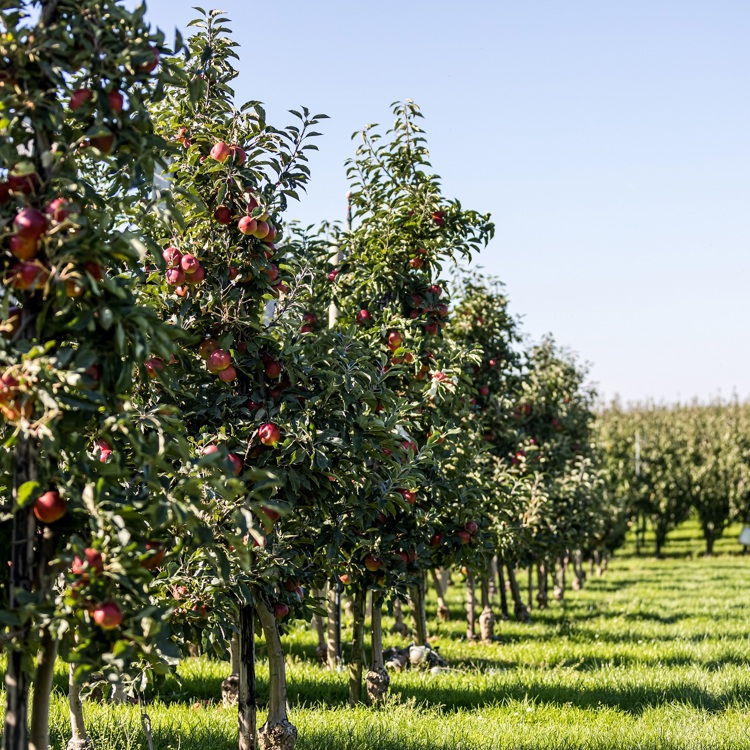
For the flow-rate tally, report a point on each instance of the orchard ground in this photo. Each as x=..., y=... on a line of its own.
x=656, y=654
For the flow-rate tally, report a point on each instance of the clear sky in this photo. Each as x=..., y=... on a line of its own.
x=609, y=140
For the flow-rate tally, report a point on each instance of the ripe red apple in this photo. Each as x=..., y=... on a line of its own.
x=150, y=66
x=363, y=316
x=273, y=369
x=409, y=495
x=30, y=223
x=189, y=263
x=438, y=217
x=116, y=101
x=395, y=340
x=431, y=329
x=236, y=463
x=463, y=536
x=408, y=445
x=197, y=276
x=50, y=507
x=209, y=449
x=271, y=514
x=223, y=215
x=439, y=376
x=269, y=434
x=472, y=527
x=103, y=143
x=344, y=578
x=261, y=230
x=332, y=275
x=154, y=366
x=238, y=154
x=305, y=329
x=23, y=248
x=219, y=151
x=23, y=183
x=78, y=98
x=416, y=263
x=104, y=448
x=270, y=235
x=27, y=276
x=372, y=563
x=247, y=225
x=280, y=610
x=404, y=557
x=156, y=558
x=58, y=210
x=484, y=390
x=436, y=290
x=95, y=270
x=91, y=562
x=228, y=375
x=206, y=347
x=172, y=257
x=272, y=272
x=108, y=616
x=219, y=360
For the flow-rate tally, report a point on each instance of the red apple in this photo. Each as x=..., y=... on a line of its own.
x=436, y=290
x=438, y=217
x=78, y=98
x=50, y=507
x=238, y=154
x=363, y=316
x=108, y=616
x=228, y=375
x=150, y=66
x=261, y=230
x=103, y=143
x=27, y=276
x=116, y=101
x=93, y=563
x=472, y=527
x=172, y=257
x=269, y=434
x=23, y=248
x=220, y=151
x=372, y=563
x=30, y=223
x=58, y=210
x=247, y=225
x=154, y=366
x=236, y=463
x=223, y=215
x=409, y=495
x=272, y=272
x=431, y=329
x=219, y=360
x=463, y=536
x=156, y=558
x=416, y=263
x=395, y=340
x=189, y=263
x=273, y=369
x=207, y=346
x=280, y=610
x=332, y=275
x=197, y=276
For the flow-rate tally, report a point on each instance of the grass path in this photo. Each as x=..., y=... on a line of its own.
x=654, y=655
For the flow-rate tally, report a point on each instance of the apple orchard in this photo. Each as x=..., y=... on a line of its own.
x=215, y=423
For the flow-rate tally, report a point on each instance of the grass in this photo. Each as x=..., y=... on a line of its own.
x=656, y=654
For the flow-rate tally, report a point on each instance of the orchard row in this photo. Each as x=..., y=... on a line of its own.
x=210, y=417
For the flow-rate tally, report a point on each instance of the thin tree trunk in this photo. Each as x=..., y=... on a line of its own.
x=442, y=608
x=399, y=626
x=487, y=618
x=419, y=613
x=580, y=575
x=321, y=652
x=503, y=590
x=530, y=588
x=520, y=611
x=471, y=603
x=79, y=738
x=45, y=672
x=493, y=577
x=559, y=590
x=247, y=703
x=377, y=679
x=596, y=561
x=15, y=732
x=334, y=626
x=278, y=733
x=358, y=647
x=542, y=596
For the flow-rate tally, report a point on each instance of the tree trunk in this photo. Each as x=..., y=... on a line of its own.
x=493, y=577
x=542, y=597
x=710, y=539
x=442, y=608
x=278, y=733
x=419, y=613
x=79, y=738
x=247, y=702
x=530, y=588
x=334, y=625
x=377, y=679
x=471, y=603
x=15, y=732
x=358, y=647
x=520, y=611
x=45, y=672
x=580, y=574
x=559, y=590
x=399, y=626
x=503, y=590
x=487, y=618
x=321, y=652
x=230, y=688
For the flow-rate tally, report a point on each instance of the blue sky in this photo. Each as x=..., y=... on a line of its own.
x=610, y=141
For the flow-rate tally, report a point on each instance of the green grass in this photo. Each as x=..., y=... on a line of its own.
x=656, y=654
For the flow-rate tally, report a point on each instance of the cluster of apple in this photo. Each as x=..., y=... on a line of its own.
x=182, y=269
x=426, y=304
x=15, y=403
x=234, y=461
